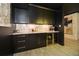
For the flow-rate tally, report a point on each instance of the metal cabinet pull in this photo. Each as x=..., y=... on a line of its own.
x=21, y=36
x=21, y=47
x=21, y=41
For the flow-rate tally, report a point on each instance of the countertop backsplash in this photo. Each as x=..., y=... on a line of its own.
x=22, y=28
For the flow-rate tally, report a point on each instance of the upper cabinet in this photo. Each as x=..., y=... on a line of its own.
x=24, y=13
x=33, y=14
x=21, y=16
x=19, y=13
x=47, y=17
x=40, y=16
x=5, y=14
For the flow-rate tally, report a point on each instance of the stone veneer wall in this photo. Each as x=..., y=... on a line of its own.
x=5, y=14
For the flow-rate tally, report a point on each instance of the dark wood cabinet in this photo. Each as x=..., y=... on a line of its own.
x=19, y=42
x=19, y=13
x=33, y=41
x=31, y=15
x=42, y=40
x=36, y=15
x=25, y=42
x=37, y=40
x=41, y=16
x=47, y=17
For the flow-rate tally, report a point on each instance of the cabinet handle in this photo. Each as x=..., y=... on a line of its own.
x=21, y=41
x=21, y=47
x=22, y=36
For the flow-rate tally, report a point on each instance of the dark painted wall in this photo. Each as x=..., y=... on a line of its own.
x=5, y=42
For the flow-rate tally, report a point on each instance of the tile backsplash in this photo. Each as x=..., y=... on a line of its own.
x=32, y=28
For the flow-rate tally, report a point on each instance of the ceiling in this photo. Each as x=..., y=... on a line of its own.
x=55, y=6
x=51, y=5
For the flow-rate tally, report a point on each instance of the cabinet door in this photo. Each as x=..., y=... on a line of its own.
x=44, y=16
x=21, y=16
x=40, y=16
x=36, y=15
x=33, y=14
x=42, y=40
x=19, y=43
x=50, y=17
x=27, y=43
x=33, y=41
x=47, y=17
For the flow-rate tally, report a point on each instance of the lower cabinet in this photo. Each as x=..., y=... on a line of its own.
x=33, y=41
x=37, y=40
x=42, y=40
x=28, y=41
x=19, y=42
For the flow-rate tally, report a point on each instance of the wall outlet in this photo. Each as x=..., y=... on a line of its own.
x=59, y=25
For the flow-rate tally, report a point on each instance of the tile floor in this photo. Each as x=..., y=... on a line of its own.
x=71, y=48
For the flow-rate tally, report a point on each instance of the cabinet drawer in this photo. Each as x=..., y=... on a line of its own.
x=19, y=36
x=19, y=44
x=20, y=49
x=20, y=41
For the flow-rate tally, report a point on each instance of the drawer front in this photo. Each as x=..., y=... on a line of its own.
x=20, y=44
x=20, y=49
x=19, y=41
x=20, y=35
x=19, y=38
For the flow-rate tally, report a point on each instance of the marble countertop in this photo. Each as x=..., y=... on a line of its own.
x=35, y=32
